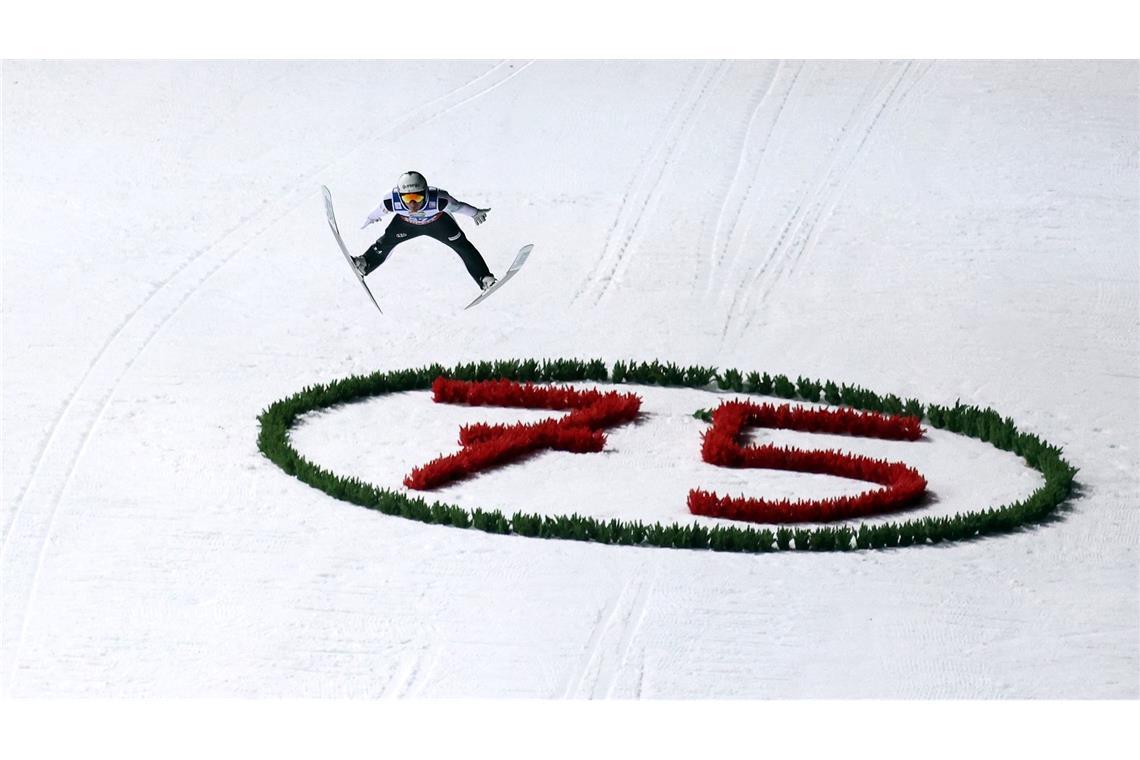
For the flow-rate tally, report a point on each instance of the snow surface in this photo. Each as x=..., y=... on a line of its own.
x=940, y=230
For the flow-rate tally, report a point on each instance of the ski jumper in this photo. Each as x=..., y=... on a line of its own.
x=434, y=220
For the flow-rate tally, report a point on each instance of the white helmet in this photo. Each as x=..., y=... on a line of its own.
x=411, y=182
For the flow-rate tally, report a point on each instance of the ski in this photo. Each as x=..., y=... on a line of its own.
x=516, y=265
x=348, y=257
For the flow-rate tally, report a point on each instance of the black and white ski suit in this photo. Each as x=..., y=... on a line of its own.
x=434, y=220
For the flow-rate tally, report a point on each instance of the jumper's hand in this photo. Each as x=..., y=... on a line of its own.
x=480, y=216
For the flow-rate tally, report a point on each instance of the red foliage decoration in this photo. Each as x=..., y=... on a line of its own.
x=903, y=484
x=486, y=446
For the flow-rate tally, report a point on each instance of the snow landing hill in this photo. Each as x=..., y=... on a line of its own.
x=936, y=230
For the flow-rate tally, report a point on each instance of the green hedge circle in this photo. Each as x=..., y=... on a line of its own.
x=983, y=424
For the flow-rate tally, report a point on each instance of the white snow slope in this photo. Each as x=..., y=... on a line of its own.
x=939, y=230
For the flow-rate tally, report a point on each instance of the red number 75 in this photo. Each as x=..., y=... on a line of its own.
x=592, y=412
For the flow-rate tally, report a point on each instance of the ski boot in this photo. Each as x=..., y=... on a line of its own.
x=361, y=265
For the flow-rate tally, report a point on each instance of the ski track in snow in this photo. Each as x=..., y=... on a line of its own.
x=607, y=651
x=631, y=627
x=747, y=289
x=640, y=177
x=577, y=683
x=719, y=252
x=627, y=248
x=85, y=407
x=409, y=678
x=848, y=172
x=746, y=282
x=800, y=230
x=732, y=198
x=647, y=185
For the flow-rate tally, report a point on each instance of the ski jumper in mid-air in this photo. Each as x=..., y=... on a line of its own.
x=423, y=210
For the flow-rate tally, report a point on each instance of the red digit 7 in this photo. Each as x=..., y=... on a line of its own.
x=488, y=446
x=903, y=485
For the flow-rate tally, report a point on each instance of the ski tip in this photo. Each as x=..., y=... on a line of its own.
x=325, y=190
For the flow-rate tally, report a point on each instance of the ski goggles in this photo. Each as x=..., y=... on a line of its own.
x=410, y=198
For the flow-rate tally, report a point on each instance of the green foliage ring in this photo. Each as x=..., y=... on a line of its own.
x=983, y=424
